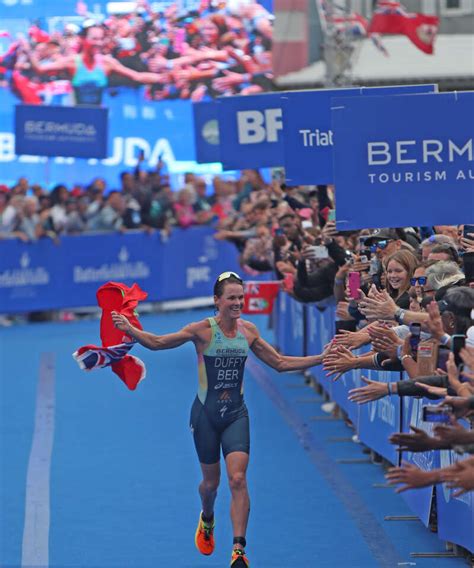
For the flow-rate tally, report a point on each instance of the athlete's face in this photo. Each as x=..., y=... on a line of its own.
x=231, y=302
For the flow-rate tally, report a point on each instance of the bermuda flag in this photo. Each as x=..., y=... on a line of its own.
x=259, y=296
x=113, y=353
x=392, y=18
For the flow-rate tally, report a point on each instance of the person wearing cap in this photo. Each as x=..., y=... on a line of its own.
x=219, y=417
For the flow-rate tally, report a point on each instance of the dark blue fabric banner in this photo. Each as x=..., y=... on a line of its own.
x=250, y=130
x=308, y=137
x=404, y=160
x=206, y=132
x=77, y=132
x=45, y=275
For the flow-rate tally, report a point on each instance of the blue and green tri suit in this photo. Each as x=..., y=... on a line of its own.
x=219, y=416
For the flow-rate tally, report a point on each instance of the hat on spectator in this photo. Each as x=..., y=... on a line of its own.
x=382, y=235
x=4, y=188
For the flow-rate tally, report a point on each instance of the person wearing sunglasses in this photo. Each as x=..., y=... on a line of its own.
x=219, y=417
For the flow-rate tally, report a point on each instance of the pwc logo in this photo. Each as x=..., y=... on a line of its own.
x=255, y=126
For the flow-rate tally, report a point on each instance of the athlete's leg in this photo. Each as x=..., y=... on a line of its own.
x=211, y=475
x=236, y=463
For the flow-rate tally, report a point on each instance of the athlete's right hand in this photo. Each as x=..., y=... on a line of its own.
x=121, y=322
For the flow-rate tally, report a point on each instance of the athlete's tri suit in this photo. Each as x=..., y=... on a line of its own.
x=219, y=416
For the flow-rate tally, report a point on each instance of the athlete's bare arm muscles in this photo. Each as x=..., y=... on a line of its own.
x=269, y=355
x=195, y=332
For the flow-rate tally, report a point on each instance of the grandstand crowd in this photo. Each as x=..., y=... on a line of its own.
x=402, y=291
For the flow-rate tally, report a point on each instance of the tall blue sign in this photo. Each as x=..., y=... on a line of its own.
x=206, y=132
x=404, y=160
x=251, y=131
x=308, y=137
x=79, y=132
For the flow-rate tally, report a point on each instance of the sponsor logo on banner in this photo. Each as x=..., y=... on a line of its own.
x=255, y=127
x=387, y=161
x=195, y=274
x=121, y=270
x=25, y=275
x=210, y=132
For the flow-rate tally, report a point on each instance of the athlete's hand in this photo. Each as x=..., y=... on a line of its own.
x=121, y=322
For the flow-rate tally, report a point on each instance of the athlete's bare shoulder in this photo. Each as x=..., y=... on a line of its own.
x=251, y=330
x=201, y=330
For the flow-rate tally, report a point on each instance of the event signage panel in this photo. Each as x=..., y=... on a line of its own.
x=307, y=135
x=455, y=514
x=404, y=160
x=420, y=500
x=250, y=130
x=77, y=132
x=206, y=132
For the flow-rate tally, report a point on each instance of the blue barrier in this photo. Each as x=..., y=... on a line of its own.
x=45, y=275
x=374, y=422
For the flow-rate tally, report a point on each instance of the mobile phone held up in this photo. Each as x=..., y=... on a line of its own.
x=436, y=414
x=468, y=232
x=457, y=343
x=415, y=337
x=353, y=280
x=332, y=215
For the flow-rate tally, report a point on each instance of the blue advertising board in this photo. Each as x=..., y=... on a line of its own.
x=420, y=500
x=455, y=514
x=206, y=132
x=250, y=130
x=404, y=160
x=290, y=329
x=307, y=134
x=155, y=127
x=45, y=275
x=381, y=418
x=79, y=132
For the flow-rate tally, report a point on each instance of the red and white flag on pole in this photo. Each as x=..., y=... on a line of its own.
x=392, y=18
x=259, y=296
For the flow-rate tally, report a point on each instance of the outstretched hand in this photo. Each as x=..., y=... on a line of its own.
x=121, y=322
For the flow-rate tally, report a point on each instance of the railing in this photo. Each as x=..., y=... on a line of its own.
x=301, y=329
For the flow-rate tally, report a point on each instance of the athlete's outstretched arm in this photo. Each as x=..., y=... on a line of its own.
x=152, y=341
x=281, y=363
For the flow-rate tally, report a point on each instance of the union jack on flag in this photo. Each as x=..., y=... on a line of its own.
x=90, y=357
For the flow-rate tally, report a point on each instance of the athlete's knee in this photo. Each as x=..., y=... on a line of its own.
x=237, y=481
x=209, y=485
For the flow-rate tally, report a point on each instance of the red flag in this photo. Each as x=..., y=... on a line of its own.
x=259, y=296
x=115, y=296
x=392, y=18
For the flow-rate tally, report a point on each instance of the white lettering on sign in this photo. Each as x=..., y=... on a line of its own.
x=383, y=153
x=316, y=137
x=255, y=126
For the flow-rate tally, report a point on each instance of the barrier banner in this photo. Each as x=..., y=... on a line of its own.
x=290, y=328
x=307, y=135
x=79, y=132
x=455, y=514
x=381, y=418
x=206, y=132
x=403, y=161
x=192, y=260
x=44, y=275
x=250, y=131
x=420, y=500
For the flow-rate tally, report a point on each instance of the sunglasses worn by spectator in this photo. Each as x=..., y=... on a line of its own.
x=421, y=281
x=379, y=245
x=226, y=275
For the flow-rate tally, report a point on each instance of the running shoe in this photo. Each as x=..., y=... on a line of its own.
x=204, y=538
x=239, y=560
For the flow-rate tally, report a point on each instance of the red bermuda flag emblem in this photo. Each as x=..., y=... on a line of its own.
x=259, y=297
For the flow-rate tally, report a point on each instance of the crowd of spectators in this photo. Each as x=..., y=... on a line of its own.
x=402, y=291
x=218, y=48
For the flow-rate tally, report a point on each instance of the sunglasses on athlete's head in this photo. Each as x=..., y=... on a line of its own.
x=420, y=279
x=226, y=275
x=379, y=245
